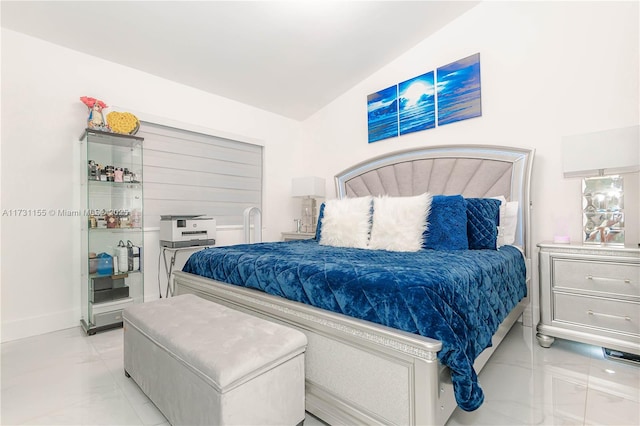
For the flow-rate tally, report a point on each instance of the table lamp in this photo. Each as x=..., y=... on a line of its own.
x=308, y=188
x=599, y=158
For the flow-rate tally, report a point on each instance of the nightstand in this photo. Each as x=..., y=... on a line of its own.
x=291, y=236
x=590, y=294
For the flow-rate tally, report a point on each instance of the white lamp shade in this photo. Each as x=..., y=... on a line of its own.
x=608, y=152
x=309, y=186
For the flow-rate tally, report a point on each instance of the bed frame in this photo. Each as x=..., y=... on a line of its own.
x=358, y=372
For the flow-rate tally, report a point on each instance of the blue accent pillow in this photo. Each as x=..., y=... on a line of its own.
x=319, y=223
x=447, y=224
x=483, y=218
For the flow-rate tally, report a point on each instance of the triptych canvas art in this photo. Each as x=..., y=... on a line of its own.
x=449, y=94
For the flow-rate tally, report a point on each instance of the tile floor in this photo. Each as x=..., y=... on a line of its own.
x=66, y=378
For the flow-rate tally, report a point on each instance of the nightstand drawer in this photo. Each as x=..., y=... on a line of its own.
x=613, y=315
x=607, y=277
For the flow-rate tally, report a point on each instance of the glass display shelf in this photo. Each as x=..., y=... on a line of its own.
x=112, y=201
x=111, y=139
x=139, y=229
x=128, y=185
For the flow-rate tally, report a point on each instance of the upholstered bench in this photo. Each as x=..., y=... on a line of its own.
x=202, y=363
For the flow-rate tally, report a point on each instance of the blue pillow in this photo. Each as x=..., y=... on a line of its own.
x=483, y=218
x=447, y=229
x=319, y=223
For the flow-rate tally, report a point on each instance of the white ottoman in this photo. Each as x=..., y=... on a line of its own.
x=202, y=363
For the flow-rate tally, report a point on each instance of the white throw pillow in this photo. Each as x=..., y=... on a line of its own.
x=346, y=222
x=399, y=222
x=508, y=221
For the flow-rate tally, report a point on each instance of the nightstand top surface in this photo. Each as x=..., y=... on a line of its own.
x=589, y=248
x=289, y=236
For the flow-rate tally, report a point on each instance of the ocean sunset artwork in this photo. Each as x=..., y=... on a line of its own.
x=450, y=93
x=382, y=113
x=416, y=104
x=458, y=88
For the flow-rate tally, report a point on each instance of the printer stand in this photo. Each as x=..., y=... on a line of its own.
x=169, y=264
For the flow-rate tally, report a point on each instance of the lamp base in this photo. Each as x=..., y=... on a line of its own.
x=309, y=215
x=603, y=215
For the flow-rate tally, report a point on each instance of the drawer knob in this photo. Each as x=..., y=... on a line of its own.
x=589, y=277
x=626, y=318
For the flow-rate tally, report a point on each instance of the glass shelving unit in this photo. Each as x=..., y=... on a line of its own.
x=112, y=227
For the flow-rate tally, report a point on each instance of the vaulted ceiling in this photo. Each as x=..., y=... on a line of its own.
x=288, y=57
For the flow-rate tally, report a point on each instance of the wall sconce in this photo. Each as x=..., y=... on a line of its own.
x=308, y=188
x=599, y=158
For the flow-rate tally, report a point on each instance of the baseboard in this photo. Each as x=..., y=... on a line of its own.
x=34, y=326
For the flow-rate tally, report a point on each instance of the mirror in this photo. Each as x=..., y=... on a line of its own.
x=603, y=210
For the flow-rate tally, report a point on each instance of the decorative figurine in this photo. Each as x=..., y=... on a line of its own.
x=96, y=119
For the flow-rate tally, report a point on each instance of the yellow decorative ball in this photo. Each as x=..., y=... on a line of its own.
x=123, y=122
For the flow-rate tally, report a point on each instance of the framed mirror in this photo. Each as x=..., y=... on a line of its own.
x=603, y=210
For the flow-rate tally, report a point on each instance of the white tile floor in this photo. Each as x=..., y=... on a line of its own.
x=66, y=378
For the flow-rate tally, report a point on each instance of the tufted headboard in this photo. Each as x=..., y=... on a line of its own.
x=469, y=170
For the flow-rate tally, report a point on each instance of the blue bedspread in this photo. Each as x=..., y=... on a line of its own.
x=458, y=297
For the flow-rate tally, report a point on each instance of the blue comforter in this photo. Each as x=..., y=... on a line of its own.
x=458, y=297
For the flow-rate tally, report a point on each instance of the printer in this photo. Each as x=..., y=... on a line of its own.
x=187, y=231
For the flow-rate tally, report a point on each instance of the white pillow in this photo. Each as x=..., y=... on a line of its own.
x=508, y=221
x=399, y=222
x=346, y=222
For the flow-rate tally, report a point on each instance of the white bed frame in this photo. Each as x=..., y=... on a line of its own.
x=358, y=372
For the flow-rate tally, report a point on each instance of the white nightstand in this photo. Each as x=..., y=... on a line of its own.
x=291, y=236
x=590, y=294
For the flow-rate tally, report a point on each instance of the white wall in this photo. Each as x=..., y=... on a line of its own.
x=42, y=118
x=548, y=69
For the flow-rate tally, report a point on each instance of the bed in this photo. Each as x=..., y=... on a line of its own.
x=365, y=363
